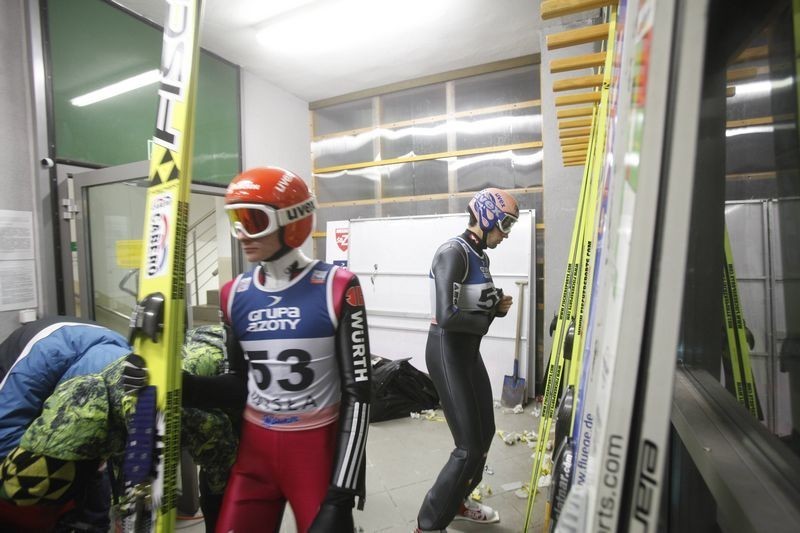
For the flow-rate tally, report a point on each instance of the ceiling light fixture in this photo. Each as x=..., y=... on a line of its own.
x=261, y=10
x=115, y=89
x=336, y=25
x=759, y=88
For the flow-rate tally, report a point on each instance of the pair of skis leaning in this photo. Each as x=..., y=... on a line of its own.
x=569, y=328
x=150, y=469
x=625, y=445
x=739, y=339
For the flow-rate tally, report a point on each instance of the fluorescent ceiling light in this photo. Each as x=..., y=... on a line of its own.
x=120, y=87
x=261, y=10
x=344, y=24
x=758, y=88
x=754, y=88
x=733, y=132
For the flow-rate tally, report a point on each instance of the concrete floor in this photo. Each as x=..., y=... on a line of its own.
x=404, y=457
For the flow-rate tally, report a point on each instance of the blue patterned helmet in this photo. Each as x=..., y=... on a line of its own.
x=494, y=207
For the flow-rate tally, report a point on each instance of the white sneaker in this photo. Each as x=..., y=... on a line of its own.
x=477, y=512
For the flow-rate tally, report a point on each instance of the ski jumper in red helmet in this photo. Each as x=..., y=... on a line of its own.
x=298, y=352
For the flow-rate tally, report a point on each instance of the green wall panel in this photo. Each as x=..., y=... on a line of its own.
x=93, y=44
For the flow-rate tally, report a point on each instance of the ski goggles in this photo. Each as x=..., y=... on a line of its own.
x=259, y=220
x=506, y=222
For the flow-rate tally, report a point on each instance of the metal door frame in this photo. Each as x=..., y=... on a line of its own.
x=83, y=181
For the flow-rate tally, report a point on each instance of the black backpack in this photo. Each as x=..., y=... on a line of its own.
x=398, y=389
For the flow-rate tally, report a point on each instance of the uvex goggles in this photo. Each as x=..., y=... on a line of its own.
x=506, y=221
x=259, y=220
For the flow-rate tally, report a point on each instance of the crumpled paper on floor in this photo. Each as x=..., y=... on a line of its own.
x=427, y=414
x=480, y=491
x=512, y=437
x=545, y=481
x=517, y=409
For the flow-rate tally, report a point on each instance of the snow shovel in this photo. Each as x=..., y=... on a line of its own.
x=513, y=385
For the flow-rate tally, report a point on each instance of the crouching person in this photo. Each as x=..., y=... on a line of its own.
x=210, y=435
x=66, y=393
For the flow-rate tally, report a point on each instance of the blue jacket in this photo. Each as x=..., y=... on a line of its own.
x=38, y=356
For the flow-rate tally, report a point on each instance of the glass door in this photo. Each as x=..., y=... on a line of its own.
x=109, y=226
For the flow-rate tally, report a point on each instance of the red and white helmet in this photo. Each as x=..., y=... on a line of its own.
x=494, y=207
x=262, y=200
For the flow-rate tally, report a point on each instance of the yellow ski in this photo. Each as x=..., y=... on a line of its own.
x=582, y=294
x=738, y=347
x=157, y=325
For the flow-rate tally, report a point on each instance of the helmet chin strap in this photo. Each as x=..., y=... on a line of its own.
x=282, y=266
x=481, y=233
x=483, y=239
x=477, y=235
x=280, y=253
x=284, y=249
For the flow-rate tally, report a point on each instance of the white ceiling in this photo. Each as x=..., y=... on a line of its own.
x=394, y=40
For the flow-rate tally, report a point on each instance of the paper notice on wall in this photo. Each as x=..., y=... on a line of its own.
x=16, y=235
x=17, y=285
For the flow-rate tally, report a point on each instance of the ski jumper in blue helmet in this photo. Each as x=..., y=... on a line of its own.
x=465, y=301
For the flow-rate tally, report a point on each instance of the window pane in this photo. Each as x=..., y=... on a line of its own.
x=357, y=184
x=497, y=88
x=762, y=217
x=344, y=149
x=325, y=214
x=419, y=207
x=343, y=117
x=761, y=143
x=418, y=178
x=497, y=129
x=414, y=103
x=751, y=151
x=506, y=170
x=414, y=140
x=117, y=46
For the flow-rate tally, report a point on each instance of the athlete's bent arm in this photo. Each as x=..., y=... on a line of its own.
x=353, y=355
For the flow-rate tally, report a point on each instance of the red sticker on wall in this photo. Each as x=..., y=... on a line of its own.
x=343, y=238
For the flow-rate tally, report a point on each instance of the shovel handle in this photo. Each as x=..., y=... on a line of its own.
x=520, y=312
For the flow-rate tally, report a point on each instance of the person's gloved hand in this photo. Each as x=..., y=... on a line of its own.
x=335, y=514
x=134, y=373
x=503, y=303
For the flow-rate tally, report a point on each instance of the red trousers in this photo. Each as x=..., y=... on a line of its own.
x=33, y=518
x=273, y=467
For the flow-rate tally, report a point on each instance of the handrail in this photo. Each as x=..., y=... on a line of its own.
x=201, y=219
x=206, y=231
x=112, y=311
x=194, y=258
x=209, y=254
